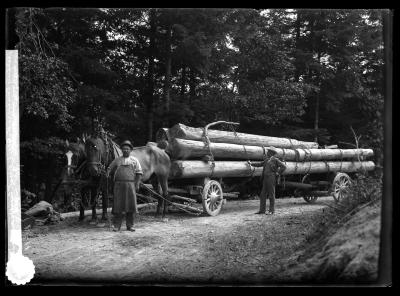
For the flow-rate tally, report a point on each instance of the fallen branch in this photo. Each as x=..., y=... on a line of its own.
x=100, y=211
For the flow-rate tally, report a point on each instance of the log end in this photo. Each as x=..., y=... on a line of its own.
x=162, y=135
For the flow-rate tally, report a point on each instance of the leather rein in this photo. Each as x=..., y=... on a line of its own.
x=100, y=164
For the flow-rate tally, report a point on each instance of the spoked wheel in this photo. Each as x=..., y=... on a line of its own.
x=212, y=198
x=306, y=194
x=340, y=185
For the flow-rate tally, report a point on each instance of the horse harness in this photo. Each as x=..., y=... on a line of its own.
x=100, y=164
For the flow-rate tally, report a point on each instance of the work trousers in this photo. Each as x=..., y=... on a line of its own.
x=268, y=190
x=118, y=220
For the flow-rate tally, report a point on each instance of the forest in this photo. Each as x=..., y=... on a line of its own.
x=307, y=74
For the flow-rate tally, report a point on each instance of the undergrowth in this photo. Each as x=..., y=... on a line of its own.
x=364, y=190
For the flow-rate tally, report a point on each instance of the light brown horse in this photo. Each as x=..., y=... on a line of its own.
x=154, y=161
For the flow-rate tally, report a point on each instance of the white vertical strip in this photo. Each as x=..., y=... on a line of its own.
x=12, y=155
x=20, y=269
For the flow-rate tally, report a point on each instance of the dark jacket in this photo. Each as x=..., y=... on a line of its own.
x=271, y=166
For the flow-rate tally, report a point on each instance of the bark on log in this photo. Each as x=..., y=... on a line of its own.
x=188, y=149
x=200, y=169
x=182, y=131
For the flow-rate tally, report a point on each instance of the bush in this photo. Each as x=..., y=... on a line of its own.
x=364, y=190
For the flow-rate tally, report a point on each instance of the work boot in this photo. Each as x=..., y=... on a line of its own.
x=130, y=229
x=116, y=229
x=271, y=206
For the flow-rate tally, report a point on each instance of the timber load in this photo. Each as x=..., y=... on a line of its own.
x=182, y=131
x=203, y=152
x=220, y=169
x=188, y=149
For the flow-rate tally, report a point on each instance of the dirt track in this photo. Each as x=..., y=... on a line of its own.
x=234, y=247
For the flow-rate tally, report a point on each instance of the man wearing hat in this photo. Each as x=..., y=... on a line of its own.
x=272, y=167
x=127, y=174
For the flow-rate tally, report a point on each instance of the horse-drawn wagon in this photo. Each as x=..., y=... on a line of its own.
x=207, y=166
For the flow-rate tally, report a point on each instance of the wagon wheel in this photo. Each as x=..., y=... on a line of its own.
x=306, y=194
x=340, y=185
x=212, y=198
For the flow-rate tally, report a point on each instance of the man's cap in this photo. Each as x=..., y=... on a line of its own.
x=127, y=143
x=272, y=150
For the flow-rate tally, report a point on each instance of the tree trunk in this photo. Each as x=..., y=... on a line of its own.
x=222, y=169
x=92, y=116
x=150, y=79
x=189, y=133
x=316, y=121
x=183, y=83
x=192, y=86
x=47, y=194
x=187, y=149
x=167, y=83
x=298, y=24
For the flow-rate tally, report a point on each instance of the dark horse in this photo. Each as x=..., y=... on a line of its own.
x=77, y=173
x=154, y=161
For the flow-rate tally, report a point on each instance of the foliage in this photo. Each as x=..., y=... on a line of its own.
x=265, y=69
x=365, y=190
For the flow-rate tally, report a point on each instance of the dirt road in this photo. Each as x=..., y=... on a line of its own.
x=236, y=246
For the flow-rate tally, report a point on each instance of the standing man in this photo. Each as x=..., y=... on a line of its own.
x=127, y=174
x=272, y=167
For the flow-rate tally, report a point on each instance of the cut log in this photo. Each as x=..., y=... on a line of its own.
x=200, y=169
x=189, y=149
x=182, y=131
x=42, y=208
x=162, y=135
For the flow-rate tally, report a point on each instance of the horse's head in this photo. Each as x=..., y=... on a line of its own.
x=75, y=153
x=96, y=151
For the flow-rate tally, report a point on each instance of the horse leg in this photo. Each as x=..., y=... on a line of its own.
x=93, y=200
x=163, y=181
x=105, y=204
x=82, y=206
x=157, y=188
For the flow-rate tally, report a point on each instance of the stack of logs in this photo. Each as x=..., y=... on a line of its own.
x=199, y=152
